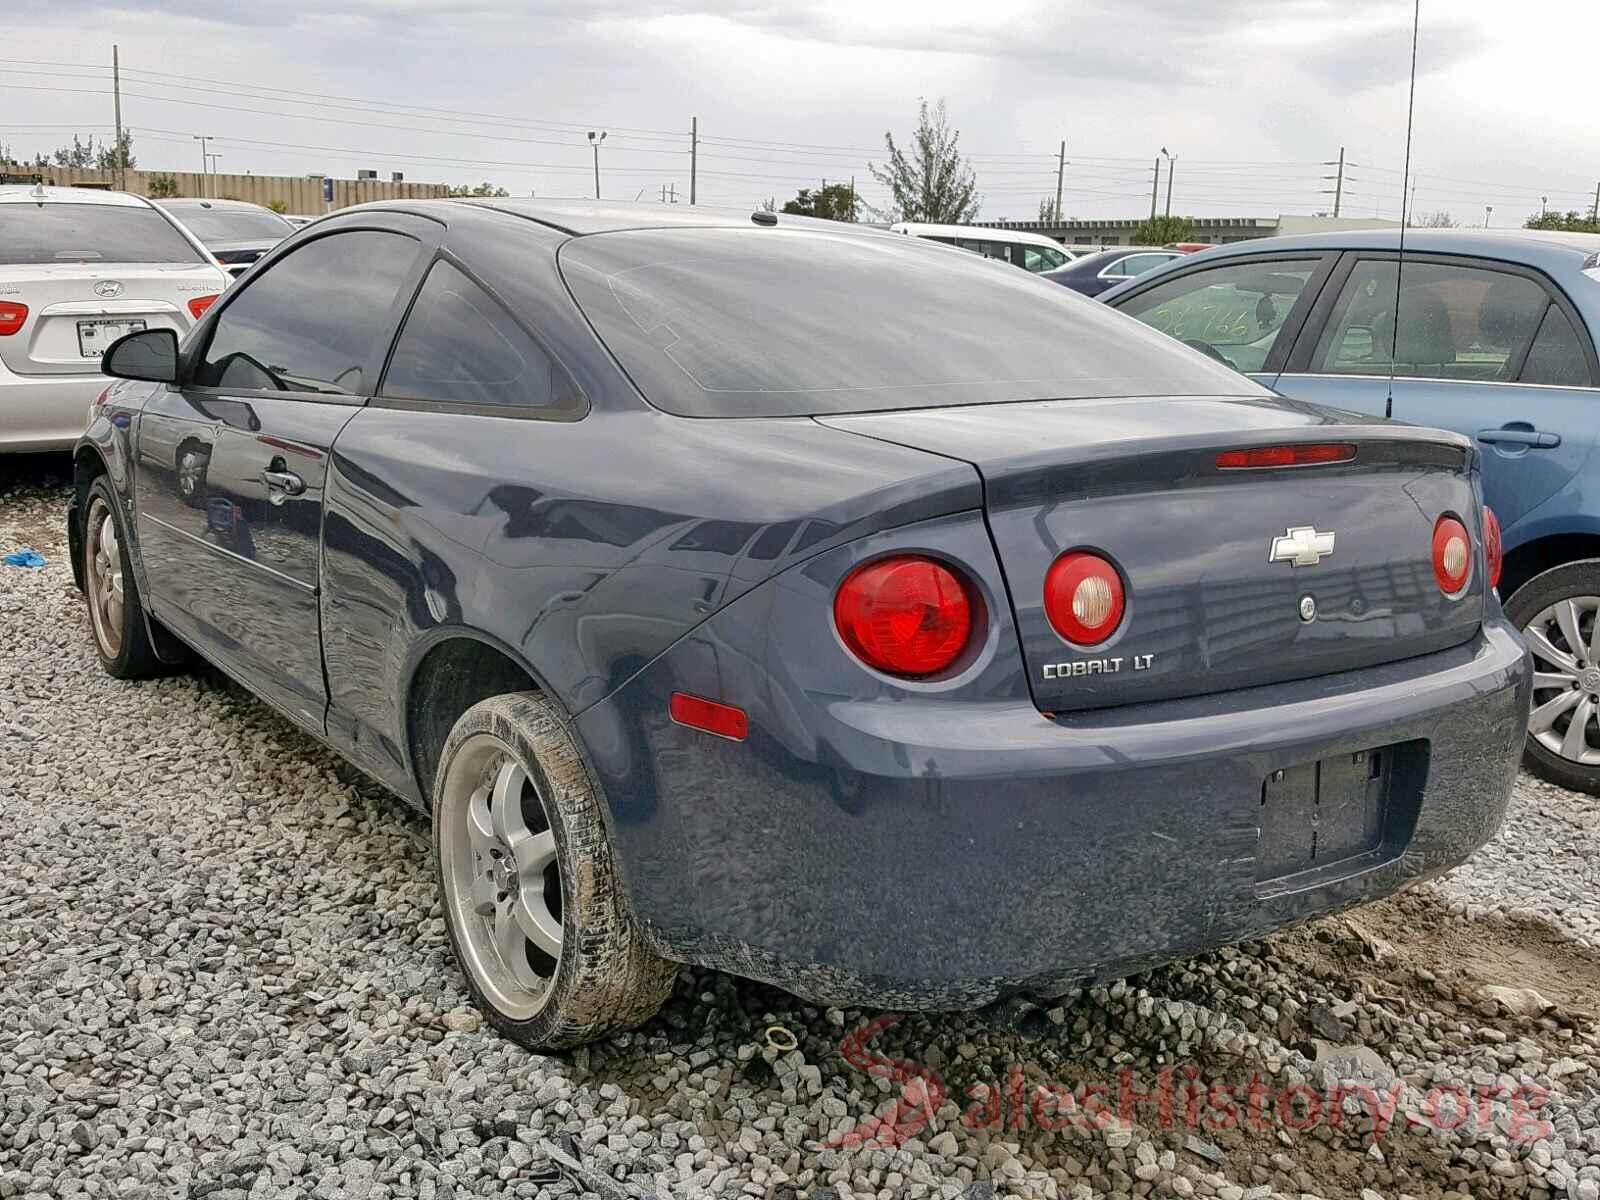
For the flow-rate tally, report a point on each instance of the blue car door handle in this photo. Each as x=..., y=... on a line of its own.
x=1532, y=438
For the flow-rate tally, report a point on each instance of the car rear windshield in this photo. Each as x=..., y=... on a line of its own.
x=794, y=322
x=232, y=224
x=58, y=233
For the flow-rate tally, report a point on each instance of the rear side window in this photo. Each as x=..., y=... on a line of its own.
x=1456, y=322
x=459, y=346
x=1237, y=310
x=794, y=322
x=232, y=224
x=312, y=321
x=1041, y=258
x=65, y=233
x=1557, y=356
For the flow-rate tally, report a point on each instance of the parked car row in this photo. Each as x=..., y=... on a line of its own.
x=1489, y=334
x=722, y=583
x=80, y=267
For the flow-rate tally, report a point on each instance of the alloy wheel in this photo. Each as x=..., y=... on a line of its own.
x=501, y=875
x=1565, y=640
x=103, y=557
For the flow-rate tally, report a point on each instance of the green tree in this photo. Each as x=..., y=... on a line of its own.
x=835, y=202
x=932, y=182
x=278, y=206
x=1570, y=221
x=1161, y=230
x=162, y=185
x=1047, y=210
x=105, y=155
x=482, y=189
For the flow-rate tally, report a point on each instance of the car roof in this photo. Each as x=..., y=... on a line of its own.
x=1551, y=250
x=28, y=193
x=995, y=233
x=207, y=202
x=582, y=217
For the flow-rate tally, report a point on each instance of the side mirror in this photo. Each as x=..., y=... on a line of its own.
x=149, y=354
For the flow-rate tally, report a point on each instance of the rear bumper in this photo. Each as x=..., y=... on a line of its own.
x=939, y=854
x=45, y=412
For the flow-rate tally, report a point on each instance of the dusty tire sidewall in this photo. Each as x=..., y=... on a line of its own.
x=124, y=665
x=531, y=728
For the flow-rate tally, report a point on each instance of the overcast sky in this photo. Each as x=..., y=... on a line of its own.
x=1251, y=98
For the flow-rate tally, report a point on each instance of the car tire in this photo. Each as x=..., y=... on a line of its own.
x=116, y=614
x=537, y=913
x=1553, y=610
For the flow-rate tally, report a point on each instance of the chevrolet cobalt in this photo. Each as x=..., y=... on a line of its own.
x=810, y=603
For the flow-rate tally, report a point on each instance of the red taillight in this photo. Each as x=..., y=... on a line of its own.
x=104, y=392
x=12, y=315
x=1083, y=598
x=1452, y=555
x=724, y=720
x=1287, y=456
x=199, y=304
x=905, y=615
x=1494, y=554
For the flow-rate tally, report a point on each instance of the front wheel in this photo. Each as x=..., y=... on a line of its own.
x=536, y=911
x=1559, y=615
x=120, y=636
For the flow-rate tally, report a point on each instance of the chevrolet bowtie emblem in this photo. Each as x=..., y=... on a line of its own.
x=1301, y=545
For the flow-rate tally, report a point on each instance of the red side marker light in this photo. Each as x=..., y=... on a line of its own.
x=724, y=720
x=1305, y=455
x=1494, y=555
x=199, y=304
x=12, y=315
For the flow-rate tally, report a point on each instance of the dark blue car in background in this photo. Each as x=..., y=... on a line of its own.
x=1496, y=340
x=810, y=603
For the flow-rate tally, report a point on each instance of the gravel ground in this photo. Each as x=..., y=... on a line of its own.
x=223, y=973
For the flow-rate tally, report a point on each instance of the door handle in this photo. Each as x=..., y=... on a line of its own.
x=283, y=483
x=1532, y=438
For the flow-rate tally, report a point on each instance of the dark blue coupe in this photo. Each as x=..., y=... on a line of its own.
x=806, y=602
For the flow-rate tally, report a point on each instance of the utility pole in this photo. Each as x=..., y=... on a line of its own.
x=1155, y=186
x=116, y=103
x=1172, y=166
x=852, y=197
x=205, y=159
x=595, y=140
x=1338, y=187
x=694, y=154
x=1594, y=214
x=214, y=160
x=1061, y=170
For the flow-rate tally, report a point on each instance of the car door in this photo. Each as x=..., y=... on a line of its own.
x=1492, y=350
x=232, y=462
x=1242, y=311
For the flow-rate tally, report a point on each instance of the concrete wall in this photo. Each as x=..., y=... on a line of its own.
x=299, y=194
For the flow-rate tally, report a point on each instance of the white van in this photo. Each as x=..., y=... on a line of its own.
x=1030, y=251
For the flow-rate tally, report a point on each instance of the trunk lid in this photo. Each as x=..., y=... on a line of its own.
x=1208, y=607
x=70, y=323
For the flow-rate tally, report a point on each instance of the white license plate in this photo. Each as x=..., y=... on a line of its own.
x=95, y=336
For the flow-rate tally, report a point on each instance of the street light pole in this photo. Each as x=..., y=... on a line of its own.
x=1172, y=163
x=205, y=159
x=1488, y=211
x=594, y=141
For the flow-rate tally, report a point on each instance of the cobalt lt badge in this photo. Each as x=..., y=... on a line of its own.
x=1301, y=545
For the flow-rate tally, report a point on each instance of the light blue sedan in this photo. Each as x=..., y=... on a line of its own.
x=1496, y=340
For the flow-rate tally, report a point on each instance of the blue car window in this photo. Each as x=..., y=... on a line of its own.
x=1557, y=356
x=1456, y=322
x=1236, y=310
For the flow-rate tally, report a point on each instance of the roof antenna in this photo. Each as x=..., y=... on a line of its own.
x=1405, y=210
